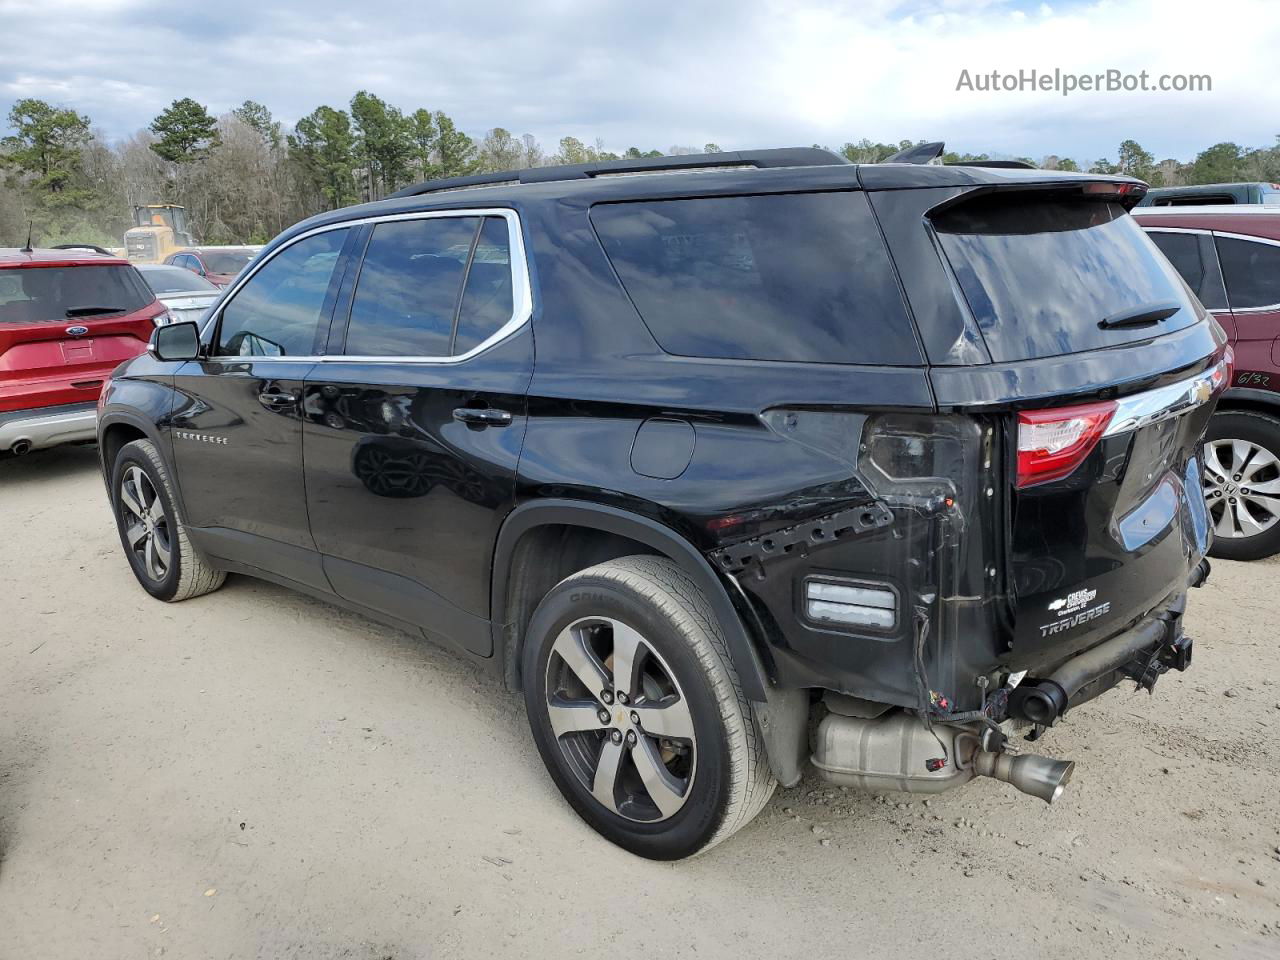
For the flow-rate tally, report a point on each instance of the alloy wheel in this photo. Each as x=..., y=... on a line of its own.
x=620, y=719
x=145, y=525
x=1242, y=487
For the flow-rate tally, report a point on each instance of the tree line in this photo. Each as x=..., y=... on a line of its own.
x=243, y=177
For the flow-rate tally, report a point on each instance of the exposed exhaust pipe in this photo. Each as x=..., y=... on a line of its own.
x=1039, y=776
x=20, y=447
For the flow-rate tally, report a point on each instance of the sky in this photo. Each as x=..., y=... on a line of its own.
x=740, y=74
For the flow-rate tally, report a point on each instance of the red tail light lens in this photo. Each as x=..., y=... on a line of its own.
x=1052, y=443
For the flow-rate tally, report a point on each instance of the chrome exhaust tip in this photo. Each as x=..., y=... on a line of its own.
x=1039, y=776
x=20, y=447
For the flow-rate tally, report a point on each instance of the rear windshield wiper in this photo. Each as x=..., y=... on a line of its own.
x=91, y=311
x=1141, y=316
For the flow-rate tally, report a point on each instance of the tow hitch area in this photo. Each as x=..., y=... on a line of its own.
x=1141, y=654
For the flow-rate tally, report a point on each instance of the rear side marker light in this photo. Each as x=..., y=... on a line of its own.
x=1052, y=443
x=855, y=605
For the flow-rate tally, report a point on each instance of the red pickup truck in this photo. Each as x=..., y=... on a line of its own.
x=67, y=319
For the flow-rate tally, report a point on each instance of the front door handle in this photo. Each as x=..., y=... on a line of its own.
x=274, y=400
x=482, y=416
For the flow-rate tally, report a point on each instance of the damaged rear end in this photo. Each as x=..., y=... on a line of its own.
x=988, y=565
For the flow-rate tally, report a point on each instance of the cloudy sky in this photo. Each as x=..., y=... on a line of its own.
x=741, y=74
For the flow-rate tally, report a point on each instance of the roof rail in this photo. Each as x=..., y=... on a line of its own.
x=783, y=157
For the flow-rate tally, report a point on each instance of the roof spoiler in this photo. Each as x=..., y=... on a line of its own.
x=929, y=152
x=783, y=157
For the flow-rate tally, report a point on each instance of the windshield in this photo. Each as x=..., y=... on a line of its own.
x=226, y=261
x=1041, y=276
x=164, y=280
x=37, y=294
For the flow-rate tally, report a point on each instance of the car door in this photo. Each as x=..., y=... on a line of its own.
x=1251, y=270
x=237, y=427
x=1193, y=255
x=412, y=435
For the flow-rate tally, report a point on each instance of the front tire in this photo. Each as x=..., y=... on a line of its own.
x=1242, y=484
x=637, y=710
x=163, y=558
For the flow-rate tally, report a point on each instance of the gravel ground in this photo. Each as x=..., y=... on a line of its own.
x=257, y=774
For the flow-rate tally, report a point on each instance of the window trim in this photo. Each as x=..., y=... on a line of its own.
x=521, y=288
x=1266, y=242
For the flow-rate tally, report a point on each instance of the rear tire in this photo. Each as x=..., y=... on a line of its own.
x=155, y=541
x=1247, y=499
x=663, y=759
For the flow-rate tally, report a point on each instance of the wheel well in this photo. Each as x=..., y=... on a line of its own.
x=113, y=438
x=1248, y=405
x=543, y=556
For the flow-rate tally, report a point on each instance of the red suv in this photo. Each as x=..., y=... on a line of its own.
x=1230, y=257
x=67, y=319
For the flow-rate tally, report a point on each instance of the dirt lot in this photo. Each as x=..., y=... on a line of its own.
x=255, y=774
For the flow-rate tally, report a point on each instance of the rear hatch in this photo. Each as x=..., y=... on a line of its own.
x=65, y=327
x=1106, y=516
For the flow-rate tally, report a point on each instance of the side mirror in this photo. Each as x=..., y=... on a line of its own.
x=176, y=341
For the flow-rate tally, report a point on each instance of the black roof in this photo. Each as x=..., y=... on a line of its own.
x=764, y=171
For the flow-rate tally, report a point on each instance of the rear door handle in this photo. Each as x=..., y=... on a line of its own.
x=482, y=416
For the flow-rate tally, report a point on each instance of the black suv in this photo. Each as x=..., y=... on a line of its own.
x=726, y=462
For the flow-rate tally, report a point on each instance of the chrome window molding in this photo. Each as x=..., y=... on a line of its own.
x=521, y=289
x=1152, y=406
x=1201, y=231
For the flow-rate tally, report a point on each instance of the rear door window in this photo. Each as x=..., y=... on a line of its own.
x=40, y=294
x=1192, y=256
x=1251, y=270
x=431, y=287
x=800, y=277
x=407, y=294
x=1041, y=275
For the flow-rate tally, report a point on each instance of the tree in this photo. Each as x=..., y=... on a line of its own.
x=712, y=148
x=500, y=151
x=384, y=143
x=1133, y=161
x=257, y=117
x=1066, y=163
x=185, y=130
x=322, y=147
x=532, y=151
x=455, y=151
x=422, y=131
x=1218, y=164
x=47, y=143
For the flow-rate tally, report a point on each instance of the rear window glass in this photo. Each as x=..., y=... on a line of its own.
x=1041, y=275
x=175, y=280
x=225, y=261
x=801, y=277
x=35, y=294
x=1251, y=271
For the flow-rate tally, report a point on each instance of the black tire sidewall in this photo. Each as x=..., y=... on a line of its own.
x=1263, y=430
x=697, y=821
x=132, y=455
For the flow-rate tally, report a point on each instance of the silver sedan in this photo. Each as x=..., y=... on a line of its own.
x=187, y=295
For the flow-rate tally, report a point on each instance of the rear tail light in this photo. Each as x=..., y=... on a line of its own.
x=1052, y=443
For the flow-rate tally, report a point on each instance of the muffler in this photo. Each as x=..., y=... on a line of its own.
x=896, y=751
x=20, y=447
x=1039, y=776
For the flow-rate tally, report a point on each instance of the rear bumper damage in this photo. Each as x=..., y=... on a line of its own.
x=878, y=748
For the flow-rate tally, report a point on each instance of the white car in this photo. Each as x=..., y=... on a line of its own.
x=187, y=295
